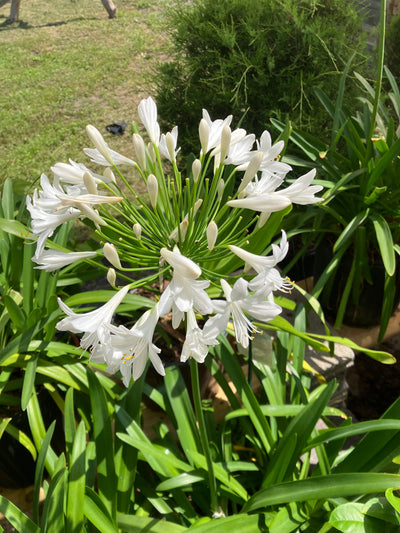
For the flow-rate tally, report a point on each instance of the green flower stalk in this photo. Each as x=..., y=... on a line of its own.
x=185, y=238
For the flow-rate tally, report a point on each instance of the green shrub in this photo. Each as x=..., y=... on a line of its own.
x=392, y=47
x=255, y=59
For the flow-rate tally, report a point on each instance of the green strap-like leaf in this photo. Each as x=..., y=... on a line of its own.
x=76, y=483
x=141, y=524
x=21, y=522
x=321, y=488
x=385, y=242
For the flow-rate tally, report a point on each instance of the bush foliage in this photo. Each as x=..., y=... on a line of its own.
x=256, y=59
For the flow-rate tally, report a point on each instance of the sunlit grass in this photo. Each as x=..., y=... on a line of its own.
x=64, y=65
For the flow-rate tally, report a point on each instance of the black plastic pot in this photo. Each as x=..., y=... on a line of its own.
x=367, y=312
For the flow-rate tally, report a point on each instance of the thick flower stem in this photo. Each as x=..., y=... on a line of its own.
x=194, y=373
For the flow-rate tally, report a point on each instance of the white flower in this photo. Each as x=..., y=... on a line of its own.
x=168, y=144
x=127, y=349
x=271, y=154
x=114, y=158
x=50, y=260
x=197, y=343
x=238, y=301
x=93, y=324
x=268, y=183
x=147, y=110
x=240, y=153
x=184, y=292
x=270, y=202
x=73, y=173
x=215, y=129
x=301, y=191
x=43, y=223
x=52, y=206
x=268, y=278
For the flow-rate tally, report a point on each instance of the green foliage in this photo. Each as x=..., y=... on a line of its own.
x=255, y=60
x=392, y=46
x=122, y=480
x=359, y=216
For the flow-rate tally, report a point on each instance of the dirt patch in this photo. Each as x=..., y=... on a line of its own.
x=373, y=387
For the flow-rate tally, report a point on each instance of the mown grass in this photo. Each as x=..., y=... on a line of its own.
x=65, y=65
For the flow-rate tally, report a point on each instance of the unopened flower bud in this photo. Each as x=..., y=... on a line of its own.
x=263, y=218
x=204, y=133
x=212, y=234
x=137, y=230
x=152, y=152
x=180, y=231
x=196, y=169
x=97, y=139
x=170, y=142
x=220, y=189
x=90, y=183
x=251, y=170
x=111, y=277
x=197, y=205
x=225, y=141
x=109, y=174
x=111, y=254
x=152, y=189
x=140, y=150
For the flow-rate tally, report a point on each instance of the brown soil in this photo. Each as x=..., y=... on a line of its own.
x=373, y=387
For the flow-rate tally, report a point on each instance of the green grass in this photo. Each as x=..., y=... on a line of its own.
x=66, y=65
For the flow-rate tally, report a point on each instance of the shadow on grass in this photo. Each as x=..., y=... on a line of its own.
x=6, y=25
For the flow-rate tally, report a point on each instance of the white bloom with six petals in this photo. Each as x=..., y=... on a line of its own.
x=127, y=349
x=93, y=324
x=184, y=292
x=238, y=301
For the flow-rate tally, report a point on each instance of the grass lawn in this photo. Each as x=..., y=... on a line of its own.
x=65, y=65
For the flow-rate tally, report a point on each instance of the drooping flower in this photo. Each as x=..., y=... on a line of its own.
x=51, y=260
x=185, y=291
x=197, y=341
x=127, y=350
x=93, y=324
x=147, y=110
x=270, y=202
x=72, y=173
x=268, y=278
x=238, y=302
x=301, y=191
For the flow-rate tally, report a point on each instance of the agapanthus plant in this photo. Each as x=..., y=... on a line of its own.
x=184, y=242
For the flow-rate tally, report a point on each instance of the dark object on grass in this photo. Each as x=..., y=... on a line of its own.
x=117, y=128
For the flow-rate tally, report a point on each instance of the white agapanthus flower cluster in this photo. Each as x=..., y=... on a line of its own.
x=188, y=240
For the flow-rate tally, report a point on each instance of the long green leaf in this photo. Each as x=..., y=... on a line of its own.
x=182, y=409
x=22, y=438
x=238, y=522
x=39, y=471
x=385, y=242
x=287, y=453
x=321, y=488
x=350, y=229
x=76, y=483
x=21, y=522
x=103, y=435
x=141, y=524
x=38, y=430
x=376, y=449
x=97, y=513
x=355, y=429
x=29, y=380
